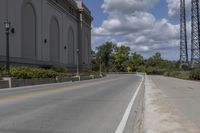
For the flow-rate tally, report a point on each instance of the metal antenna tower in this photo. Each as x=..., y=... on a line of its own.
x=183, y=35
x=195, y=49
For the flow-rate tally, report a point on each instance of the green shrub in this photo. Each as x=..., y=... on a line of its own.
x=167, y=73
x=24, y=72
x=21, y=72
x=184, y=75
x=178, y=74
x=141, y=69
x=155, y=71
x=58, y=69
x=195, y=74
x=2, y=68
x=174, y=74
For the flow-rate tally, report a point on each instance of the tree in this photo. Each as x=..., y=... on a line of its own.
x=104, y=54
x=137, y=61
x=154, y=60
x=121, y=58
x=94, y=62
x=157, y=56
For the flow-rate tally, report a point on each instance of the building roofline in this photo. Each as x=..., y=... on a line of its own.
x=83, y=8
x=86, y=9
x=73, y=3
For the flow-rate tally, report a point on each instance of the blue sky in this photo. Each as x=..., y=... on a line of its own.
x=159, y=10
x=147, y=26
x=97, y=12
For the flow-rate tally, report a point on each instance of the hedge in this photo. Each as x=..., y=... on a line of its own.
x=24, y=72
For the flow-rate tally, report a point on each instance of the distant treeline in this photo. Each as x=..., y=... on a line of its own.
x=115, y=58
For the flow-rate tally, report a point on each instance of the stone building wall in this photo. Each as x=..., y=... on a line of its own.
x=46, y=32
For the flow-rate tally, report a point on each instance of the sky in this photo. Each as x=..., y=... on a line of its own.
x=146, y=26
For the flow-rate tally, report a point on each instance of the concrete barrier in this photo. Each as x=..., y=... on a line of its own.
x=27, y=82
x=136, y=119
x=67, y=79
x=139, y=109
x=123, y=73
x=4, y=84
x=85, y=78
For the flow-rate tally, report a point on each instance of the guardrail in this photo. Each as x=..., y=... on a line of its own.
x=123, y=73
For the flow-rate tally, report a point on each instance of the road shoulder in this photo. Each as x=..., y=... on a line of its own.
x=161, y=116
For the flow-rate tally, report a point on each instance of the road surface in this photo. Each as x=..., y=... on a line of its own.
x=184, y=94
x=95, y=106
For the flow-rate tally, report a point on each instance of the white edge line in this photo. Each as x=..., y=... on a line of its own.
x=122, y=125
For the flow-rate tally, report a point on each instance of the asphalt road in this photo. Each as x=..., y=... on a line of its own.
x=95, y=106
x=184, y=94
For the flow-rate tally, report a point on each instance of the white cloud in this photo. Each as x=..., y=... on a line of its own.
x=127, y=6
x=125, y=24
x=174, y=8
x=130, y=20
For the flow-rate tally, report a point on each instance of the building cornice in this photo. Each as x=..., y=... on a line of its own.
x=64, y=9
x=74, y=9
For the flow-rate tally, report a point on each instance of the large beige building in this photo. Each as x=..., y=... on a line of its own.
x=46, y=32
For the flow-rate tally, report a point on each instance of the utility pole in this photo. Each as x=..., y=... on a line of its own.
x=100, y=66
x=7, y=29
x=195, y=48
x=79, y=47
x=77, y=63
x=183, y=35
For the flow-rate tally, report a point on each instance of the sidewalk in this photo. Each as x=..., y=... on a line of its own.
x=161, y=116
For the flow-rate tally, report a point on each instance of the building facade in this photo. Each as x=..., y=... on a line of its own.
x=47, y=32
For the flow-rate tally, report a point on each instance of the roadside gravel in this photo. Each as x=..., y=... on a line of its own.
x=161, y=116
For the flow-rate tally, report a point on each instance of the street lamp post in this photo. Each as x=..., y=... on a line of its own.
x=100, y=67
x=77, y=62
x=7, y=25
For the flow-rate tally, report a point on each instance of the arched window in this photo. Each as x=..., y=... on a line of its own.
x=54, y=40
x=28, y=22
x=71, y=46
